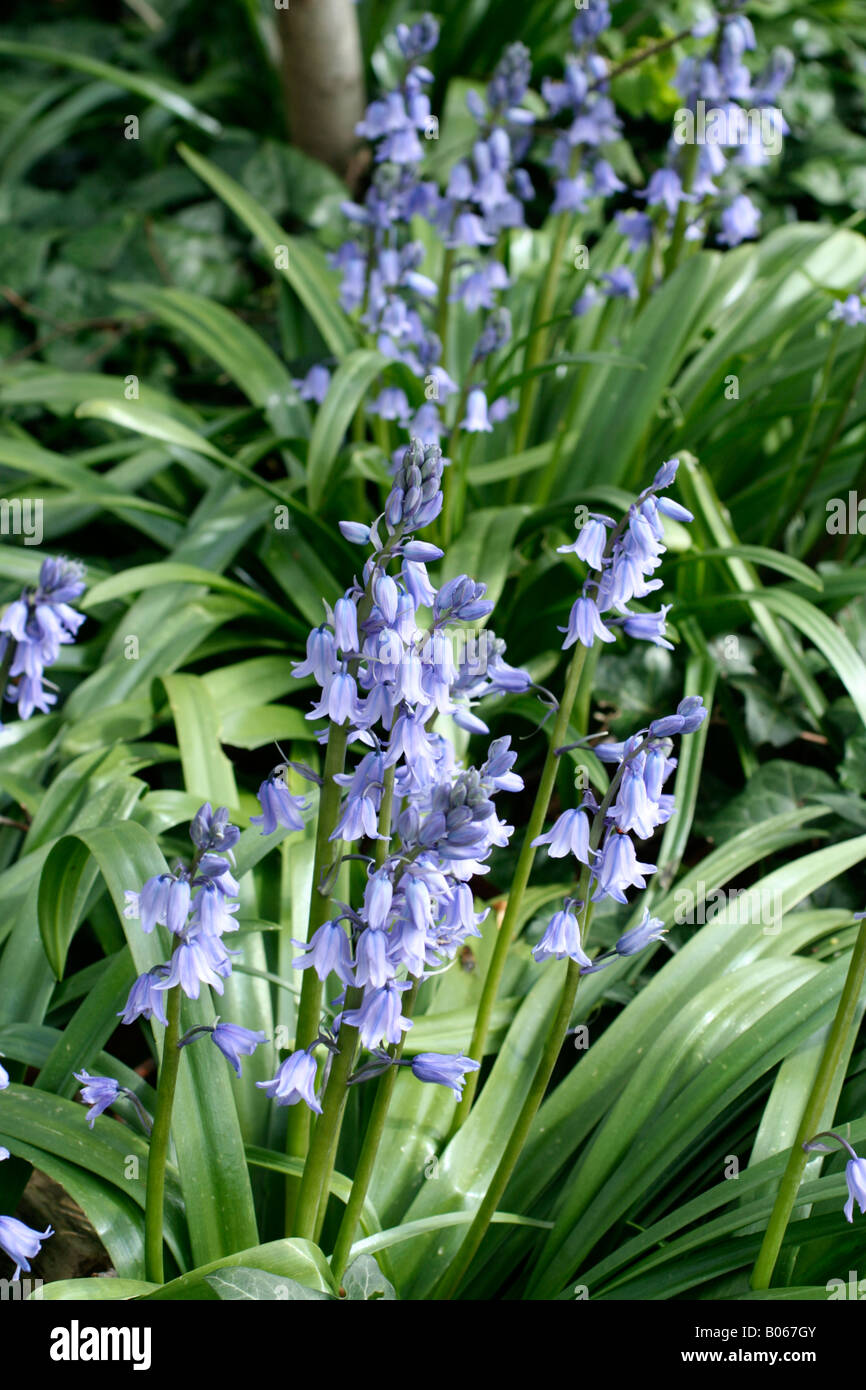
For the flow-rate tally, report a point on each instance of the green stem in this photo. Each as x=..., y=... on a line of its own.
x=452, y=1279
x=813, y=1114
x=454, y=478
x=159, y=1140
x=324, y=1142
x=386, y=812
x=310, y=1003
x=443, y=305
x=690, y=165
x=521, y=879
x=369, y=1150
x=458, y=1268
x=538, y=340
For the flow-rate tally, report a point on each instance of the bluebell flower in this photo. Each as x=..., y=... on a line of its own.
x=635, y=227
x=360, y=813
x=649, y=627
x=586, y=301
x=850, y=311
x=38, y=624
x=476, y=420
x=279, y=805
x=571, y=194
x=419, y=38
x=21, y=1243
x=295, y=1080
x=379, y=1018
x=495, y=335
x=562, y=938
x=327, y=950
x=741, y=220
x=617, y=867
x=4, y=1153
x=339, y=700
x=620, y=283
x=373, y=964
x=321, y=660
x=314, y=386
x=631, y=942
x=568, y=835
x=234, y=1041
x=585, y=624
x=591, y=540
x=461, y=600
x=855, y=1177
x=665, y=189
x=164, y=899
x=145, y=1000
x=443, y=1069
x=591, y=20
x=199, y=959
x=99, y=1092
x=210, y=830
x=4, y=1078
x=212, y=911
x=215, y=869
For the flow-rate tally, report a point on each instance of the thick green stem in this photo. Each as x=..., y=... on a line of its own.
x=310, y=1004
x=159, y=1141
x=458, y=1268
x=369, y=1150
x=813, y=1114
x=520, y=881
x=318, y=1167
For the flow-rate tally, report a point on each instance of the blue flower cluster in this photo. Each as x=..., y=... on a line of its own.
x=742, y=127
x=197, y=905
x=485, y=195
x=21, y=1243
x=600, y=837
x=32, y=631
x=620, y=565
x=385, y=677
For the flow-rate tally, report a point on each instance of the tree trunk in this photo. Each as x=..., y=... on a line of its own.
x=323, y=79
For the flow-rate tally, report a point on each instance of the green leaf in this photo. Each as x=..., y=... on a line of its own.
x=345, y=394
x=153, y=89
x=306, y=269
x=233, y=1285
x=102, y=1289
x=299, y=1260
x=364, y=1282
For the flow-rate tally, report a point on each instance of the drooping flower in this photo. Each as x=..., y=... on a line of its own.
x=327, y=950
x=99, y=1092
x=279, y=805
x=234, y=1041
x=295, y=1080
x=21, y=1243
x=145, y=999
x=562, y=938
x=443, y=1069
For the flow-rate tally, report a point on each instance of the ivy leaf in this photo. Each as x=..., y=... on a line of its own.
x=364, y=1282
x=256, y=1285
